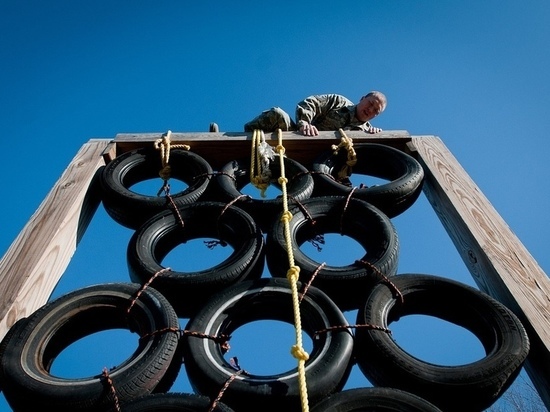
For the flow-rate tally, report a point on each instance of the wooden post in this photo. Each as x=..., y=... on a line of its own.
x=37, y=258
x=497, y=260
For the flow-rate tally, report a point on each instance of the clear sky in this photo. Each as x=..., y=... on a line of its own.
x=476, y=74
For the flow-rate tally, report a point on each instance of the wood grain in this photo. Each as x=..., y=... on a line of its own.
x=39, y=255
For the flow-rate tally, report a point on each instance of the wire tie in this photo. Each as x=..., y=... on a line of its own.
x=231, y=176
x=304, y=210
x=106, y=378
x=342, y=327
x=385, y=279
x=165, y=188
x=161, y=331
x=234, y=364
x=307, y=285
x=143, y=287
x=176, y=210
x=222, y=339
x=345, y=209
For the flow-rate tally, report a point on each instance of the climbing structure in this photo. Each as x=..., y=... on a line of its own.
x=499, y=263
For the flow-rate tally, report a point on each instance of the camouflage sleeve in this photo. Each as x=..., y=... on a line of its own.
x=317, y=106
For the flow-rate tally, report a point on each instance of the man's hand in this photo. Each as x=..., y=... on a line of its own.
x=373, y=130
x=309, y=130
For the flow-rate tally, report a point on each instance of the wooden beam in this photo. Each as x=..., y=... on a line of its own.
x=496, y=258
x=219, y=148
x=39, y=255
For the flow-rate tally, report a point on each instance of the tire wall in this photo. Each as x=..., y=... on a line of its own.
x=251, y=285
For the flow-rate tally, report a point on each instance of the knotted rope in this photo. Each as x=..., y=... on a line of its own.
x=347, y=143
x=297, y=350
x=164, y=145
x=261, y=155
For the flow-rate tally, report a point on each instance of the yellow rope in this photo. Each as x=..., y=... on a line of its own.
x=297, y=350
x=347, y=143
x=259, y=162
x=164, y=145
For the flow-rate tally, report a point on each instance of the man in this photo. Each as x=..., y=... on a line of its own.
x=323, y=112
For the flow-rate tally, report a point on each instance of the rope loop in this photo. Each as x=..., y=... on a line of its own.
x=260, y=184
x=346, y=143
x=164, y=145
x=261, y=155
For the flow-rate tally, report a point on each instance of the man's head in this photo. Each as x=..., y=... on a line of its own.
x=370, y=106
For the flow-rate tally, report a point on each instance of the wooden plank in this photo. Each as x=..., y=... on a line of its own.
x=219, y=148
x=39, y=255
x=496, y=258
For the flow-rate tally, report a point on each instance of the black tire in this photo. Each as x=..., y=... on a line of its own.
x=30, y=353
x=177, y=402
x=187, y=291
x=470, y=387
x=348, y=285
x=235, y=175
x=326, y=370
x=12, y=331
x=404, y=173
x=374, y=399
x=132, y=209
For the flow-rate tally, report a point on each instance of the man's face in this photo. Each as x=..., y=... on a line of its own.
x=368, y=108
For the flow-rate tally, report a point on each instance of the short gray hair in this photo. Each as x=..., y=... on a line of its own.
x=380, y=96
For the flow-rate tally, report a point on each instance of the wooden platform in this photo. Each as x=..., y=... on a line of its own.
x=497, y=260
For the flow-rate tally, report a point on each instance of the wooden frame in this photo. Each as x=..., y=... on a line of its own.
x=497, y=260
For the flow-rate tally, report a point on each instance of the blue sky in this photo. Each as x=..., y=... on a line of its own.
x=476, y=74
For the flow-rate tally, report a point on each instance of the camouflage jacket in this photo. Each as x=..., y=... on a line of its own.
x=328, y=112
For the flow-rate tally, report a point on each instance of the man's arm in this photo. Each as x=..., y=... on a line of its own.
x=314, y=107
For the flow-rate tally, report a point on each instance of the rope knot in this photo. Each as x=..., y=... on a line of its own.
x=293, y=274
x=165, y=172
x=282, y=180
x=347, y=144
x=299, y=353
x=261, y=184
x=280, y=149
x=261, y=156
x=286, y=216
x=164, y=141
